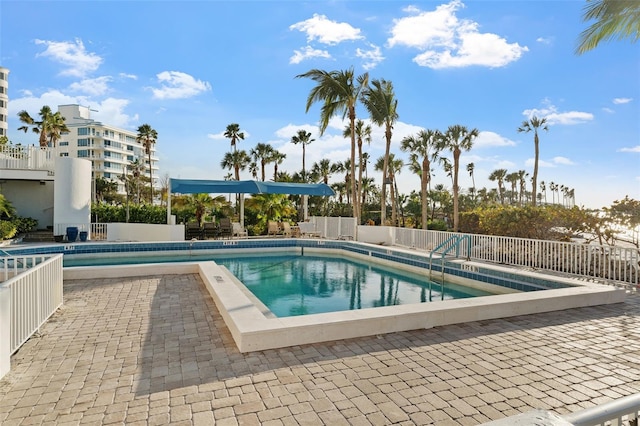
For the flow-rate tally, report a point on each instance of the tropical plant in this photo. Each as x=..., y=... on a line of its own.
x=457, y=138
x=233, y=133
x=618, y=19
x=363, y=133
x=498, y=176
x=339, y=92
x=470, y=169
x=136, y=167
x=532, y=125
x=147, y=136
x=262, y=153
x=303, y=138
x=49, y=127
x=380, y=100
x=270, y=207
x=423, y=150
x=236, y=161
x=277, y=158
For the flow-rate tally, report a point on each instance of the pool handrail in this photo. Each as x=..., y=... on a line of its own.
x=455, y=241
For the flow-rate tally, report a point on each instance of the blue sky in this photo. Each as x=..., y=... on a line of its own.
x=191, y=68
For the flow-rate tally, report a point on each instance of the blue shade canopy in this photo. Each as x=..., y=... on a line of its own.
x=194, y=186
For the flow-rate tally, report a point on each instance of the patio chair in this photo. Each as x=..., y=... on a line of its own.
x=193, y=231
x=273, y=228
x=238, y=230
x=286, y=229
x=225, y=230
x=210, y=230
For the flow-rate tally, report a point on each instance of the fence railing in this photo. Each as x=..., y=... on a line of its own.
x=98, y=232
x=35, y=286
x=27, y=158
x=618, y=412
x=337, y=228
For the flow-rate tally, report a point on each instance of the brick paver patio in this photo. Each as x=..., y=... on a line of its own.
x=155, y=351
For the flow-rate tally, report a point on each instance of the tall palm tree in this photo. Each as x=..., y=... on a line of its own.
x=233, y=133
x=532, y=125
x=136, y=167
x=380, y=100
x=522, y=180
x=262, y=153
x=339, y=92
x=363, y=133
x=512, y=178
x=613, y=19
x=304, y=138
x=49, y=127
x=277, y=158
x=499, y=175
x=147, y=136
x=470, y=169
x=423, y=149
x=553, y=187
x=394, y=166
x=543, y=189
x=236, y=161
x=322, y=170
x=457, y=138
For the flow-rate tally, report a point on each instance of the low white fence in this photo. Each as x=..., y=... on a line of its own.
x=623, y=411
x=30, y=293
x=95, y=231
x=619, y=265
x=27, y=158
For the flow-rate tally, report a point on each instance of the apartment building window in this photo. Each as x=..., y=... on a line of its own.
x=129, y=157
x=107, y=164
x=83, y=142
x=3, y=76
x=3, y=117
x=83, y=131
x=83, y=153
x=2, y=104
x=64, y=154
x=63, y=144
x=107, y=175
x=1, y=132
x=2, y=90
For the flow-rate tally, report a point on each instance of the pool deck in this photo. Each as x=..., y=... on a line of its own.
x=155, y=350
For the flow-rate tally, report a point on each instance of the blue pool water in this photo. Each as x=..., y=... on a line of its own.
x=292, y=285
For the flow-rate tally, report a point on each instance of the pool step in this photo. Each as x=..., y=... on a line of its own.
x=40, y=236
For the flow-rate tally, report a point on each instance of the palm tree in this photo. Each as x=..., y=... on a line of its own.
x=50, y=126
x=532, y=125
x=277, y=158
x=394, y=166
x=304, y=138
x=499, y=175
x=470, y=168
x=447, y=167
x=233, y=133
x=380, y=100
x=362, y=132
x=423, y=149
x=553, y=187
x=262, y=153
x=614, y=19
x=147, y=136
x=236, y=161
x=522, y=180
x=512, y=178
x=543, y=188
x=136, y=167
x=339, y=91
x=270, y=207
x=457, y=138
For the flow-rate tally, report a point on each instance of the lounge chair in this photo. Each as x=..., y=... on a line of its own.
x=308, y=229
x=210, y=230
x=192, y=231
x=273, y=228
x=286, y=229
x=225, y=230
x=238, y=230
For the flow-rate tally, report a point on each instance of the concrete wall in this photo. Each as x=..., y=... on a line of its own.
x=376, y=234
x=31, y=198
x=72, y=192
x=144, y=232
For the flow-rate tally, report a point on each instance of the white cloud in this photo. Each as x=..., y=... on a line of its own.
x=545, y=40
x=608, y=110
x=92, y=86
x=553, y=116
x=178, y=85
x=490, y=139
x=563, y=160
x=306, y=53
x=221, y=136
x=326, y=31
x=631, y=149
x=619, y=101
x=78, y=61
x=111, y=110
x=446, y=41
x=129, y=76
x=554, y=162
x=372, y=57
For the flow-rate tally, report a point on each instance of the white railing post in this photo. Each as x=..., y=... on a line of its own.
x=5, y=330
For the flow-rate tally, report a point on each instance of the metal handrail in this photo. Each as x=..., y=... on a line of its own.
x=455, y=241
x=628, y=407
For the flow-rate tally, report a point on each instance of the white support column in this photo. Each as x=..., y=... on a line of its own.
x=5, y=330
x=242, y=211
x=305, y=207
x=169, y=204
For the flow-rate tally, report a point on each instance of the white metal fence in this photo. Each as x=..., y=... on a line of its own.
x=619, y=265
x=35, y=284
x=27, y=158
x=95, y=231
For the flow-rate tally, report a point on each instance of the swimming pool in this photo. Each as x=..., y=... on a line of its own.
x=518, y=292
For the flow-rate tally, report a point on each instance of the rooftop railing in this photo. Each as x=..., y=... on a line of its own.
x=17, y=157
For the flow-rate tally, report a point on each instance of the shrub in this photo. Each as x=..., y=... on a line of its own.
x=7, y=229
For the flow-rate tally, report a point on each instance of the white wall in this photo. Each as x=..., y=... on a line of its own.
x=376, y=234
x=144, y=232
x=31, y=198
x=72, y=192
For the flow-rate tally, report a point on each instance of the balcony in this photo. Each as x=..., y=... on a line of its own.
x=24, y=160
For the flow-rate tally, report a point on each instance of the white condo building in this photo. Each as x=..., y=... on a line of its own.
x=4, y=100
x=110, y=149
